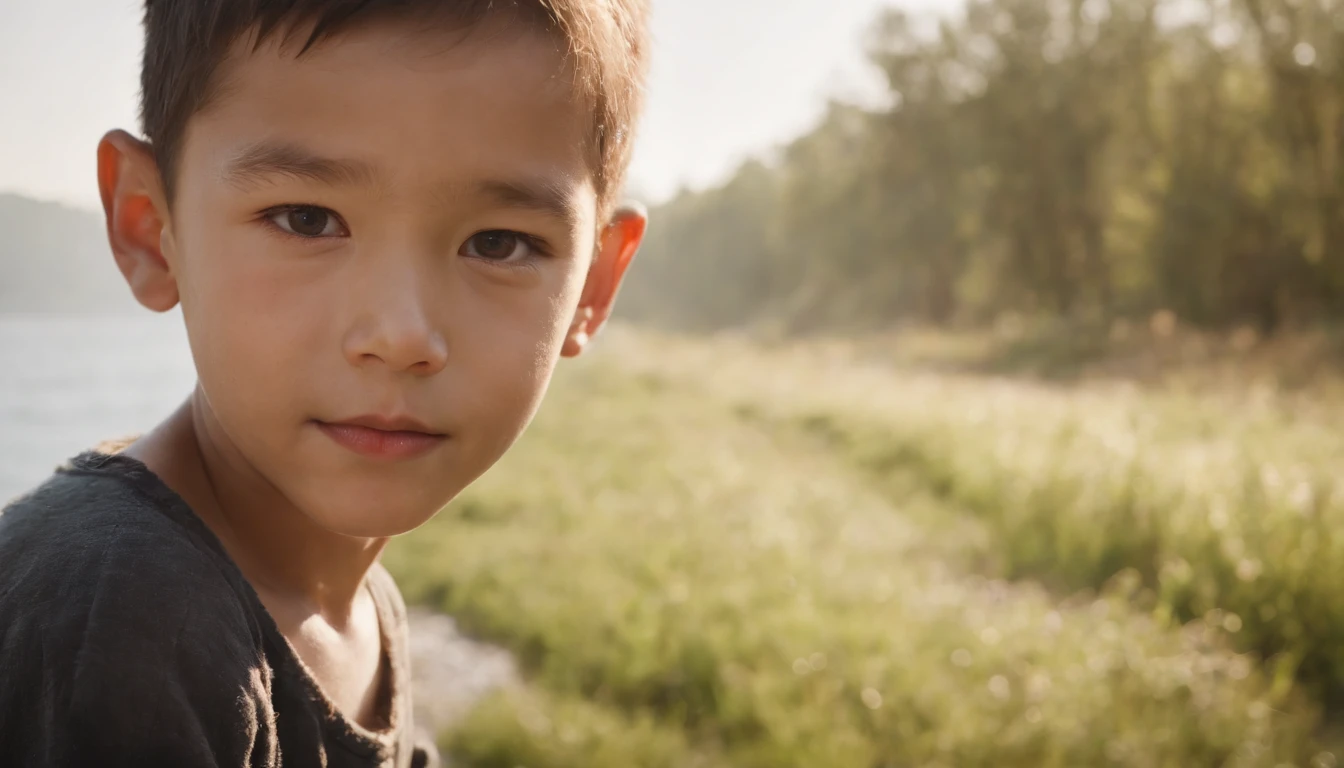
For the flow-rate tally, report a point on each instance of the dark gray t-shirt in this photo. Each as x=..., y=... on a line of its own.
x=128, y=637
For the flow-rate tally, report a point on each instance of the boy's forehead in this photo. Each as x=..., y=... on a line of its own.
x=500, y=49
x=494, y=105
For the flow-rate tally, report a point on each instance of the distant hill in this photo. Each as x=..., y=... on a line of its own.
x=55, y=259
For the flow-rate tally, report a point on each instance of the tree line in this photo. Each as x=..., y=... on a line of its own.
x=1060, y=159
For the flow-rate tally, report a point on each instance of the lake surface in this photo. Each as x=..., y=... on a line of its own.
x=67, y=383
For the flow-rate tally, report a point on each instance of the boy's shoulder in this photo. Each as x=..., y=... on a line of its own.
x=103, y=529
x=103, y=558
x=107, y=520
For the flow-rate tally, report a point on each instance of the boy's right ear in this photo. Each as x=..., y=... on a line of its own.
x=137, y=218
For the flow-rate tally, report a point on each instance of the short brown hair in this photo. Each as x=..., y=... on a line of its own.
x=187, y=40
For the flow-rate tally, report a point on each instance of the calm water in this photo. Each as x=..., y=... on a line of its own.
x=68, y=383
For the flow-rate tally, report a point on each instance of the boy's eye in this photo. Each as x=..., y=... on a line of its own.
x=307, y=221
x=497, y=245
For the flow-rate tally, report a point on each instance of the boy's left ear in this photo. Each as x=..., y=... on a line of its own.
x=619, y=243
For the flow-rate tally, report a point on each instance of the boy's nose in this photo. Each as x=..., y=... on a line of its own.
x=399, y=334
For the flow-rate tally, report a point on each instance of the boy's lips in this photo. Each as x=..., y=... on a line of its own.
x=382, y=437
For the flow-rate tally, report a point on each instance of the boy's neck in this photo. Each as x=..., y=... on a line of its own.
x=280, y=550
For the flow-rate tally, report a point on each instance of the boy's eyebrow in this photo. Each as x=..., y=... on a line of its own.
x=544, y=195
x=267, y=158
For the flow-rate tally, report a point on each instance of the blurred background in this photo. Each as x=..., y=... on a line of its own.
x=974, y=401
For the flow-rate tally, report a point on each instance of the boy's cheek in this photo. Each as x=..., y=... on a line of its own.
x=487, y=395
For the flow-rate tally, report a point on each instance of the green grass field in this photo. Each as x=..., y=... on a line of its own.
x=709, y=553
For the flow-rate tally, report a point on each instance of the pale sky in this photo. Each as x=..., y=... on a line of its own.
x=730, y=79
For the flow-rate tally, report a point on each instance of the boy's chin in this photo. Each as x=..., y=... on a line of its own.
x=370, y=514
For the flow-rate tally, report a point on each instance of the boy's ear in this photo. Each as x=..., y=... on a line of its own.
x=619, y=242
x=137, y=218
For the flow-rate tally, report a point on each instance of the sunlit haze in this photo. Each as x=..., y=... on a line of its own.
x=731, y=78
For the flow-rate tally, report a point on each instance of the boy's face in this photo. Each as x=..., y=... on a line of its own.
x=381, y=248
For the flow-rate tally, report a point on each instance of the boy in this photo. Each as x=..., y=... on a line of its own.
x=384, y=221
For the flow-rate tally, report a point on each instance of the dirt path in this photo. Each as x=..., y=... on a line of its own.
x=452, y=673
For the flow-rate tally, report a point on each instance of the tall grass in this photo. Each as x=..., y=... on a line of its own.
x=689, y=580
x=1224, y=501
